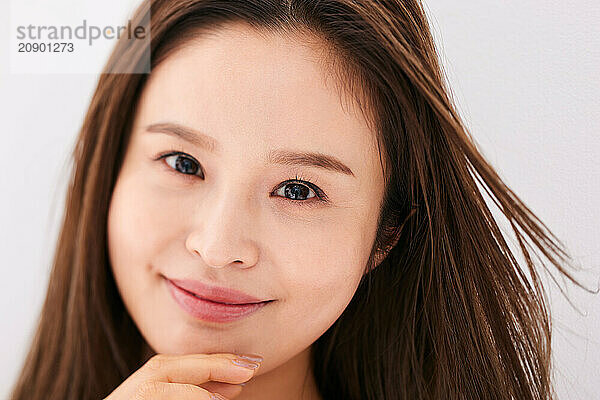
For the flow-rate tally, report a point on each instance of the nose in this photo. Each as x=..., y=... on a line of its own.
x=221, y=233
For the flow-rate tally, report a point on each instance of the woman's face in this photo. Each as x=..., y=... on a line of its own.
x=219, y=211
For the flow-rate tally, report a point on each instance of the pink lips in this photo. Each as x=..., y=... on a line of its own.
x=215, y=293
x=216, y=305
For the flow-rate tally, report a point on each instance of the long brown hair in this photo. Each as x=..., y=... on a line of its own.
x=449, y=312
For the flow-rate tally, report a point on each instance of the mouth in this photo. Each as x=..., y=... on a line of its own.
x=221, y=302
x=215, y=294
x=210, y=309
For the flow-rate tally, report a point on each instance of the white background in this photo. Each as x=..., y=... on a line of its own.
x=525, y=76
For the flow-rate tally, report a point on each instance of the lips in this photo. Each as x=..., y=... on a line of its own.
x=215, y=293
x=211, y=311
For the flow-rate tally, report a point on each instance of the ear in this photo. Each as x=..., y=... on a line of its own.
x=381, y=254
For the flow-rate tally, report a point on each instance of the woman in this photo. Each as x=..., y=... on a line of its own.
x=307, y=154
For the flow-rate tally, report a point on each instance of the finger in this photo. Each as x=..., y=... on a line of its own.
x=154, y=390
x=196, y=368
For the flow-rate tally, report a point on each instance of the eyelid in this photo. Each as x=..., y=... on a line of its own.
x=174, y=151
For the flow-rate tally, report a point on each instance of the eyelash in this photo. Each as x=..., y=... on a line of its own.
x=299, y=179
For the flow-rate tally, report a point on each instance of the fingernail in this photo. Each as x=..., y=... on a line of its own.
x=245, y=363
x=252, y=357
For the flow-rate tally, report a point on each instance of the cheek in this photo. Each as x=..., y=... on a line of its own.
x=138, y=225
x=322, y=265
x=321, y=271
x=327, y=258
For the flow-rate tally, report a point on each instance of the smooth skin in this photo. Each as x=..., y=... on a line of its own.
x=229, y=217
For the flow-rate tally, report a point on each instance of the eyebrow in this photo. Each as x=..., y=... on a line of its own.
x=282, y=157
x=189, y=135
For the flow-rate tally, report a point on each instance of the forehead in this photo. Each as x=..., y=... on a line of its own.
x=258, y=90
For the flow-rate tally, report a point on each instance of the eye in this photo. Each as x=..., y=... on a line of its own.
x=300, y=191
x=183, y=163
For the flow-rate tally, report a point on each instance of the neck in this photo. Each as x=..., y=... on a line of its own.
x=294, y=378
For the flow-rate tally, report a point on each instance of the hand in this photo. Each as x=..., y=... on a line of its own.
x=177, y=377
